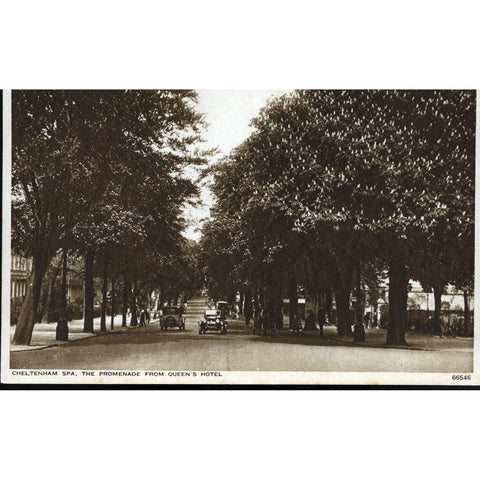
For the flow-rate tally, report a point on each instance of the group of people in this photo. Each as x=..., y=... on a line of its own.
x=263, y=320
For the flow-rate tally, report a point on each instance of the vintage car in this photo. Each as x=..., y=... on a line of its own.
x=172, y=317
x=212, y=320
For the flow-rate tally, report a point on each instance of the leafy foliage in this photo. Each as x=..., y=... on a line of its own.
x=101, y=171
x=345, y=178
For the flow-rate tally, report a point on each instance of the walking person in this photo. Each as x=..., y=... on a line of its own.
x=358, y=331
x=143, y=318
x=321, y=320
x=310, y=320
x=273, y=321
x=296, y=324
x=256, y=320
x=262, y=320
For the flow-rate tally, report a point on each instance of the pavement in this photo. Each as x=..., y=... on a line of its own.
x=376, y=337
x=149, y=348
x=44, y=333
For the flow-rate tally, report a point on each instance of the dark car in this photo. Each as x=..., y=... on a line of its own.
x=212, y=320
x=172, y=317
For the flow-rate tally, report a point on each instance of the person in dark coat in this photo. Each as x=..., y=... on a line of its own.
x=358, y=331
x=296, y=324
x=321, y=320
x=262, y=320
x=143, y=318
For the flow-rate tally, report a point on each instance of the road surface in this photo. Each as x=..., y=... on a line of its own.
x=149, y=348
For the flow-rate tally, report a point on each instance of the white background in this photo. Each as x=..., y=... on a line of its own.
x=257, y=434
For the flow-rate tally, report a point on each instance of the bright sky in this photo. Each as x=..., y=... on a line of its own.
x=228, y=114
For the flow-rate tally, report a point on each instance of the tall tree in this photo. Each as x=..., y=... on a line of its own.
x=365, y=175
x=74, y=150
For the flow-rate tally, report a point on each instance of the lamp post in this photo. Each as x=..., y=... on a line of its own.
x=61, y=332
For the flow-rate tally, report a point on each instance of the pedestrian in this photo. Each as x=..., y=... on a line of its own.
x=321, y=320
x=143, y=318
x=256, y=318
x=310, y=320
x=262, y=320
x=358, y=331
x=296, y=325
x=273, y=320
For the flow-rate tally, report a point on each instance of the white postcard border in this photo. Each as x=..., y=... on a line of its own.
x=76, y=377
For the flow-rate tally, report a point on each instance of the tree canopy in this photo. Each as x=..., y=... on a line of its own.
x=101, y=171
x=343, y=178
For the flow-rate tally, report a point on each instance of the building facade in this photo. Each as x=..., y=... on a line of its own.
x=20, y=270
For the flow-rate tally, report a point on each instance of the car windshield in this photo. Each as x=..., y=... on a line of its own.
x=211, y=313
x=169, y=310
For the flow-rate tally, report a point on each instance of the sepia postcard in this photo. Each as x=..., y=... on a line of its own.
x=239, y=237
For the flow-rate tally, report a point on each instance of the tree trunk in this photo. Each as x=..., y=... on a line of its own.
x=248, y=306
x=50, y=313
x=437, y=293
x=103, y=319
x=329, y=305
x=231, y=300
x=358, y=288
x=278, y=311
x=397, y=300
x=321, y=311
x=310, y=320
x=293, y=305
x=261, y=298
x=466, y=314
x=89, y=293
x=242, y=299
x=342, y=272
x=29, y=313
x=25, y=324
x=149, y=302
x=275, y=303
x=342, y=300
x=112, y=320
x=161, y=299
x=62, y=325
x=133, y=308
x=125, y=301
